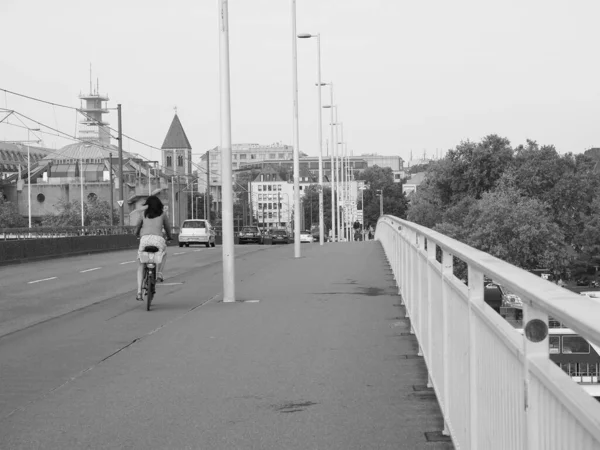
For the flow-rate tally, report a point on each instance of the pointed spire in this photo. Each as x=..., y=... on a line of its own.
x=176, y=138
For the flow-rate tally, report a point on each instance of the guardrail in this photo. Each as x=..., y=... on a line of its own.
x=57, y=232
x=496, y=386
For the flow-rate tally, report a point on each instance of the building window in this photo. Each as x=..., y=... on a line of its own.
x=40, y=198
x=269, y=187
x=270, y=215
x=272, y=156
x=281, y=156
x=260, y=187
x=169, y=161
x=234, y=156
x=92, y=197
x=252, y=156
x=243, y=156
x=278, y=187
x=575, y=344
x=235, y=165
x=554, y=344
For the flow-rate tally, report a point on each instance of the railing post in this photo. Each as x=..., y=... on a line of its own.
x=535, y=345
x=420, y=290
x=430, y=262
x=475, y=278
x=447, y=273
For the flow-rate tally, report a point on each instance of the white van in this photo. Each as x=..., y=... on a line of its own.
x=196, y=231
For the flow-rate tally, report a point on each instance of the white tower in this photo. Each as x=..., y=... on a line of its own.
x=92, y=127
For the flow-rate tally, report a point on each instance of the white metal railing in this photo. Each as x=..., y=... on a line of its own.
x=497, y=387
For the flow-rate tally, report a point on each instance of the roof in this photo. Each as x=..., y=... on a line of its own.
x=85, y=150
x=13, y=155
x=176, y=138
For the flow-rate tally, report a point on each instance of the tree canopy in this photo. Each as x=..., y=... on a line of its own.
x=530, y=205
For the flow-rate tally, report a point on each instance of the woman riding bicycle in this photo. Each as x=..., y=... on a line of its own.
x=150, y=227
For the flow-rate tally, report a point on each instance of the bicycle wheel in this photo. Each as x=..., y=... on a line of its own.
x=149, y=288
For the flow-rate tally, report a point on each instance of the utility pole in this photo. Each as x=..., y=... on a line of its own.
x=120, y=138
x=207, y=204
x=112, y=219
x=226, y=157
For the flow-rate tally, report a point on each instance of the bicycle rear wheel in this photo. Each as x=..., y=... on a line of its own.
x=150, y=281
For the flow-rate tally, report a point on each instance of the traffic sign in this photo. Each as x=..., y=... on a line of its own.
x=120, y=203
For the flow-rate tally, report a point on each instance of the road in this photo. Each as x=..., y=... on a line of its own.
x=60, y=317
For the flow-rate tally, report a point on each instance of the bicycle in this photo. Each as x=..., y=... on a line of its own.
x=150, y=257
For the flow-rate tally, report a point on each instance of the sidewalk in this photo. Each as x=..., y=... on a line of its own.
x=323, y=360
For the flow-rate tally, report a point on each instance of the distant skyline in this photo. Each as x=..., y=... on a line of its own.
x=408, y=76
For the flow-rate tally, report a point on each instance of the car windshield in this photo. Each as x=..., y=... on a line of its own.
x=194, y=224
x=250, y=230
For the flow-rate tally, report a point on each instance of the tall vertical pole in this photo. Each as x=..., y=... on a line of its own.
x=321, y=219
x=120, y=138
x=28, y=180
x=207, y=196
x=112, y=201
x=296, y=134
x=338, y=178
x=173, y=200
x=81, y=183
x=381, y=203
x=333, y=208
x=227, y=188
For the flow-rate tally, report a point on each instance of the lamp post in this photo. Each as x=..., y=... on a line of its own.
x=81, y=181
x=320, y=126
x=227, y=222
x=295, y=134
x=331, y=106
x=380, y=193
x=29, y=175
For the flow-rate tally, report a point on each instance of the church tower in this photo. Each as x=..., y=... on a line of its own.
x=176, y=150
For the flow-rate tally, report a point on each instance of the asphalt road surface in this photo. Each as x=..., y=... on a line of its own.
x=314, y=354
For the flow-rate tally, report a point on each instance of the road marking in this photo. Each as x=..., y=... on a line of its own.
x=43, y=279
x=127, y=262
x=90, y=270
x=199, y=250
x=179, y=253
x=168, y=284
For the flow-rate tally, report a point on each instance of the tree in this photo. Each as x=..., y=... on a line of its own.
x=310, y=201
x=9, y=215
x=516, y=229
x=96, y=213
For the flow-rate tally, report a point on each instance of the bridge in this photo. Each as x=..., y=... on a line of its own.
x=384, y=344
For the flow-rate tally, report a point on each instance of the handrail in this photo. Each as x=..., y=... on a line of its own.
x=496, y=385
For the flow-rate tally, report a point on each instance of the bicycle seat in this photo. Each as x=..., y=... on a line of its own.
x=151, y=249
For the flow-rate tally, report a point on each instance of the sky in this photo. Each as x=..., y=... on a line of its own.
x=411, y=78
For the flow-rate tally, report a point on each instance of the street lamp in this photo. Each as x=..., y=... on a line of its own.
x=295, y=134
x=29, y=175
x=331, y=106
x=225, y=100
x=319, y=85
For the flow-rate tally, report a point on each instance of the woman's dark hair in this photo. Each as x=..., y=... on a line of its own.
x=155, y=207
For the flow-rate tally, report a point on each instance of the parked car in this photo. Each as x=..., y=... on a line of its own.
x=250, y=235
x=196, y=231
x=279, y=237
x=306, y=236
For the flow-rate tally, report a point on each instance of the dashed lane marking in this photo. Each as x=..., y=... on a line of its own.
x=127, y=262
x=90, y=270
x=179, y=253
x=43, y=279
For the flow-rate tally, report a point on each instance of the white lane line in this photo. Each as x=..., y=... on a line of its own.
x=179, y=253
x=90, y=270
x=43, y=279
x=127, y=262
x=199, y=250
